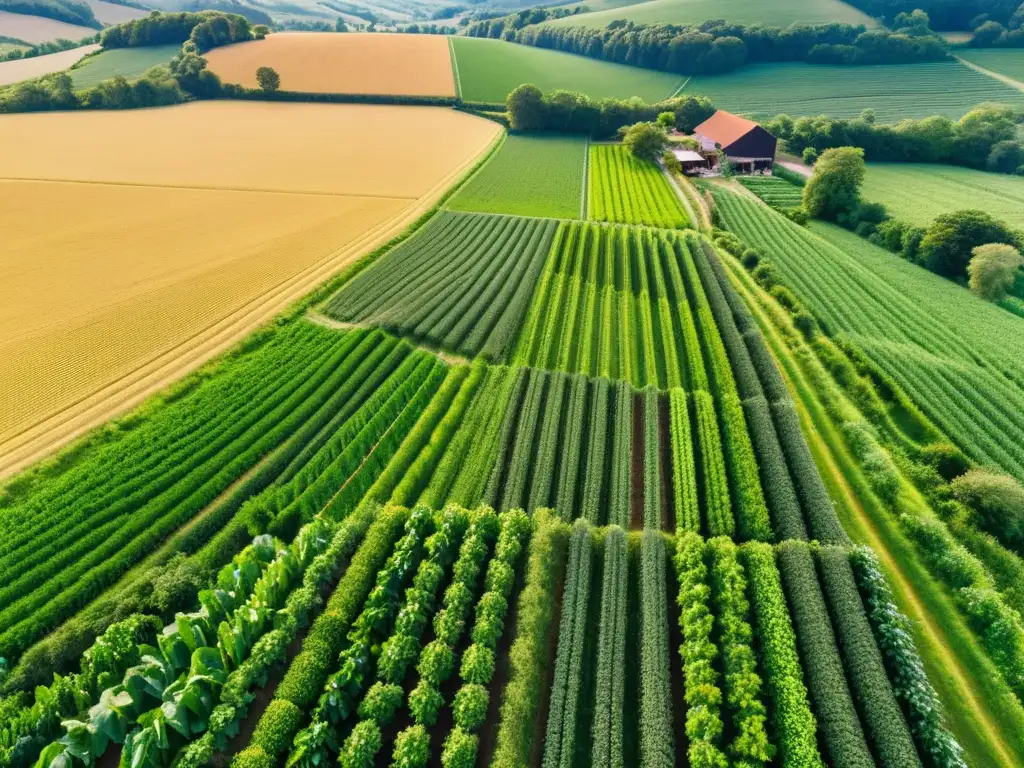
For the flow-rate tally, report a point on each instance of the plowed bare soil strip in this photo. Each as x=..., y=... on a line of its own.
x=324, y=62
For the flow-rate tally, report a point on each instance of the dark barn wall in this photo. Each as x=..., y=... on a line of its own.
x=756, y=143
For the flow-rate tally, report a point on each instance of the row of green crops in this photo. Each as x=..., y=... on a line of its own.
x=625, y=189
x=834, y=698
x=306, y=407
x=463, y=283
x=778, y=193
x=612, y=301
x=959, y=358
x=799, y=503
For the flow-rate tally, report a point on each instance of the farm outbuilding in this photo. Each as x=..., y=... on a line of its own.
x=748, y=146
x=691, y=162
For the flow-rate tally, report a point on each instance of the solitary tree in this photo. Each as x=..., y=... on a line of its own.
x=268, y=79
x=992, y=270
x=526, y=108
x=645, y=140
x=834, y=188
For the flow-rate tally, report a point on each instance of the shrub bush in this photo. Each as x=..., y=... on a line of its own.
x=274, y=731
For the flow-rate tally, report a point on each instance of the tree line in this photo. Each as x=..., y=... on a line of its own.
x=43, y=49
x=69, y=11
x=716, y=46
x=952, y=15
x=205, y=29
x=568, y=112
x=985, y=138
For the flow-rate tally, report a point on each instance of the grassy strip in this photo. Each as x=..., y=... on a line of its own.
x=988, y=721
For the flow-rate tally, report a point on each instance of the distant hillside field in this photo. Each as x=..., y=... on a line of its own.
x=488, y=70
x=919, y=193
x=895, y=91
x=37, y=29
x=25, y=69
x=131, y=63
x=326, y=62
x=779, y=13
x=112, y=13
x=530, y=176
x=1005, y=61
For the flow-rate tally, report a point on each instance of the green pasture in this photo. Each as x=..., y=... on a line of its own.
x=778, y=13
x=131, y=63
x=488, y=70
x=919, y=192
x=894, y=91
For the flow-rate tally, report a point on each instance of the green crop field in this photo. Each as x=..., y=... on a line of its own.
x=894, y=91
x=776, y=14
x=778, y=193
x=919, y=193
x=631, y=191
x=528, y=491
x=488, y=70
x=1003, y=61
x=127, y=62
x=529, y=176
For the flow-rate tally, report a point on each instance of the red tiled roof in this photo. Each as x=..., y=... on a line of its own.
x=725, y=127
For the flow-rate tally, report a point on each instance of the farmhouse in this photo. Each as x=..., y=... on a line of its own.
x=748, y=146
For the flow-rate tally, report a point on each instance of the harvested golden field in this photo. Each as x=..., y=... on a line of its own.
x=38, y=29
x=24, y=69
x=324, y=62
x=121, y=277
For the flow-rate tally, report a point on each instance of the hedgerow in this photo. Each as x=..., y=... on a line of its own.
x=840, y=728
x=744, y=696
x=894, y=637
x=657, y=742
x=886, y=728
x=559, y=740
x=794, y=723
x=704, y=727
x=607, y=727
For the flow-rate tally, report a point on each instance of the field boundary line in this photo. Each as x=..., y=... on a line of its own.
x=108, y=401
x=317, y=317
x=679, y=88
x=1005, y=79
x=494, y=149
x=697, y=221
x=455, y=68
x=199, y=188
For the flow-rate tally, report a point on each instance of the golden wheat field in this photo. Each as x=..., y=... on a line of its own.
x=120, y=275
x=324, y=62
x=38, y=29
x=22, y=69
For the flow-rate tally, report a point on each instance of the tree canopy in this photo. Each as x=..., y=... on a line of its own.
x=993, y=270
x=645, y=140
x=949, y=242
x=834, y=188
